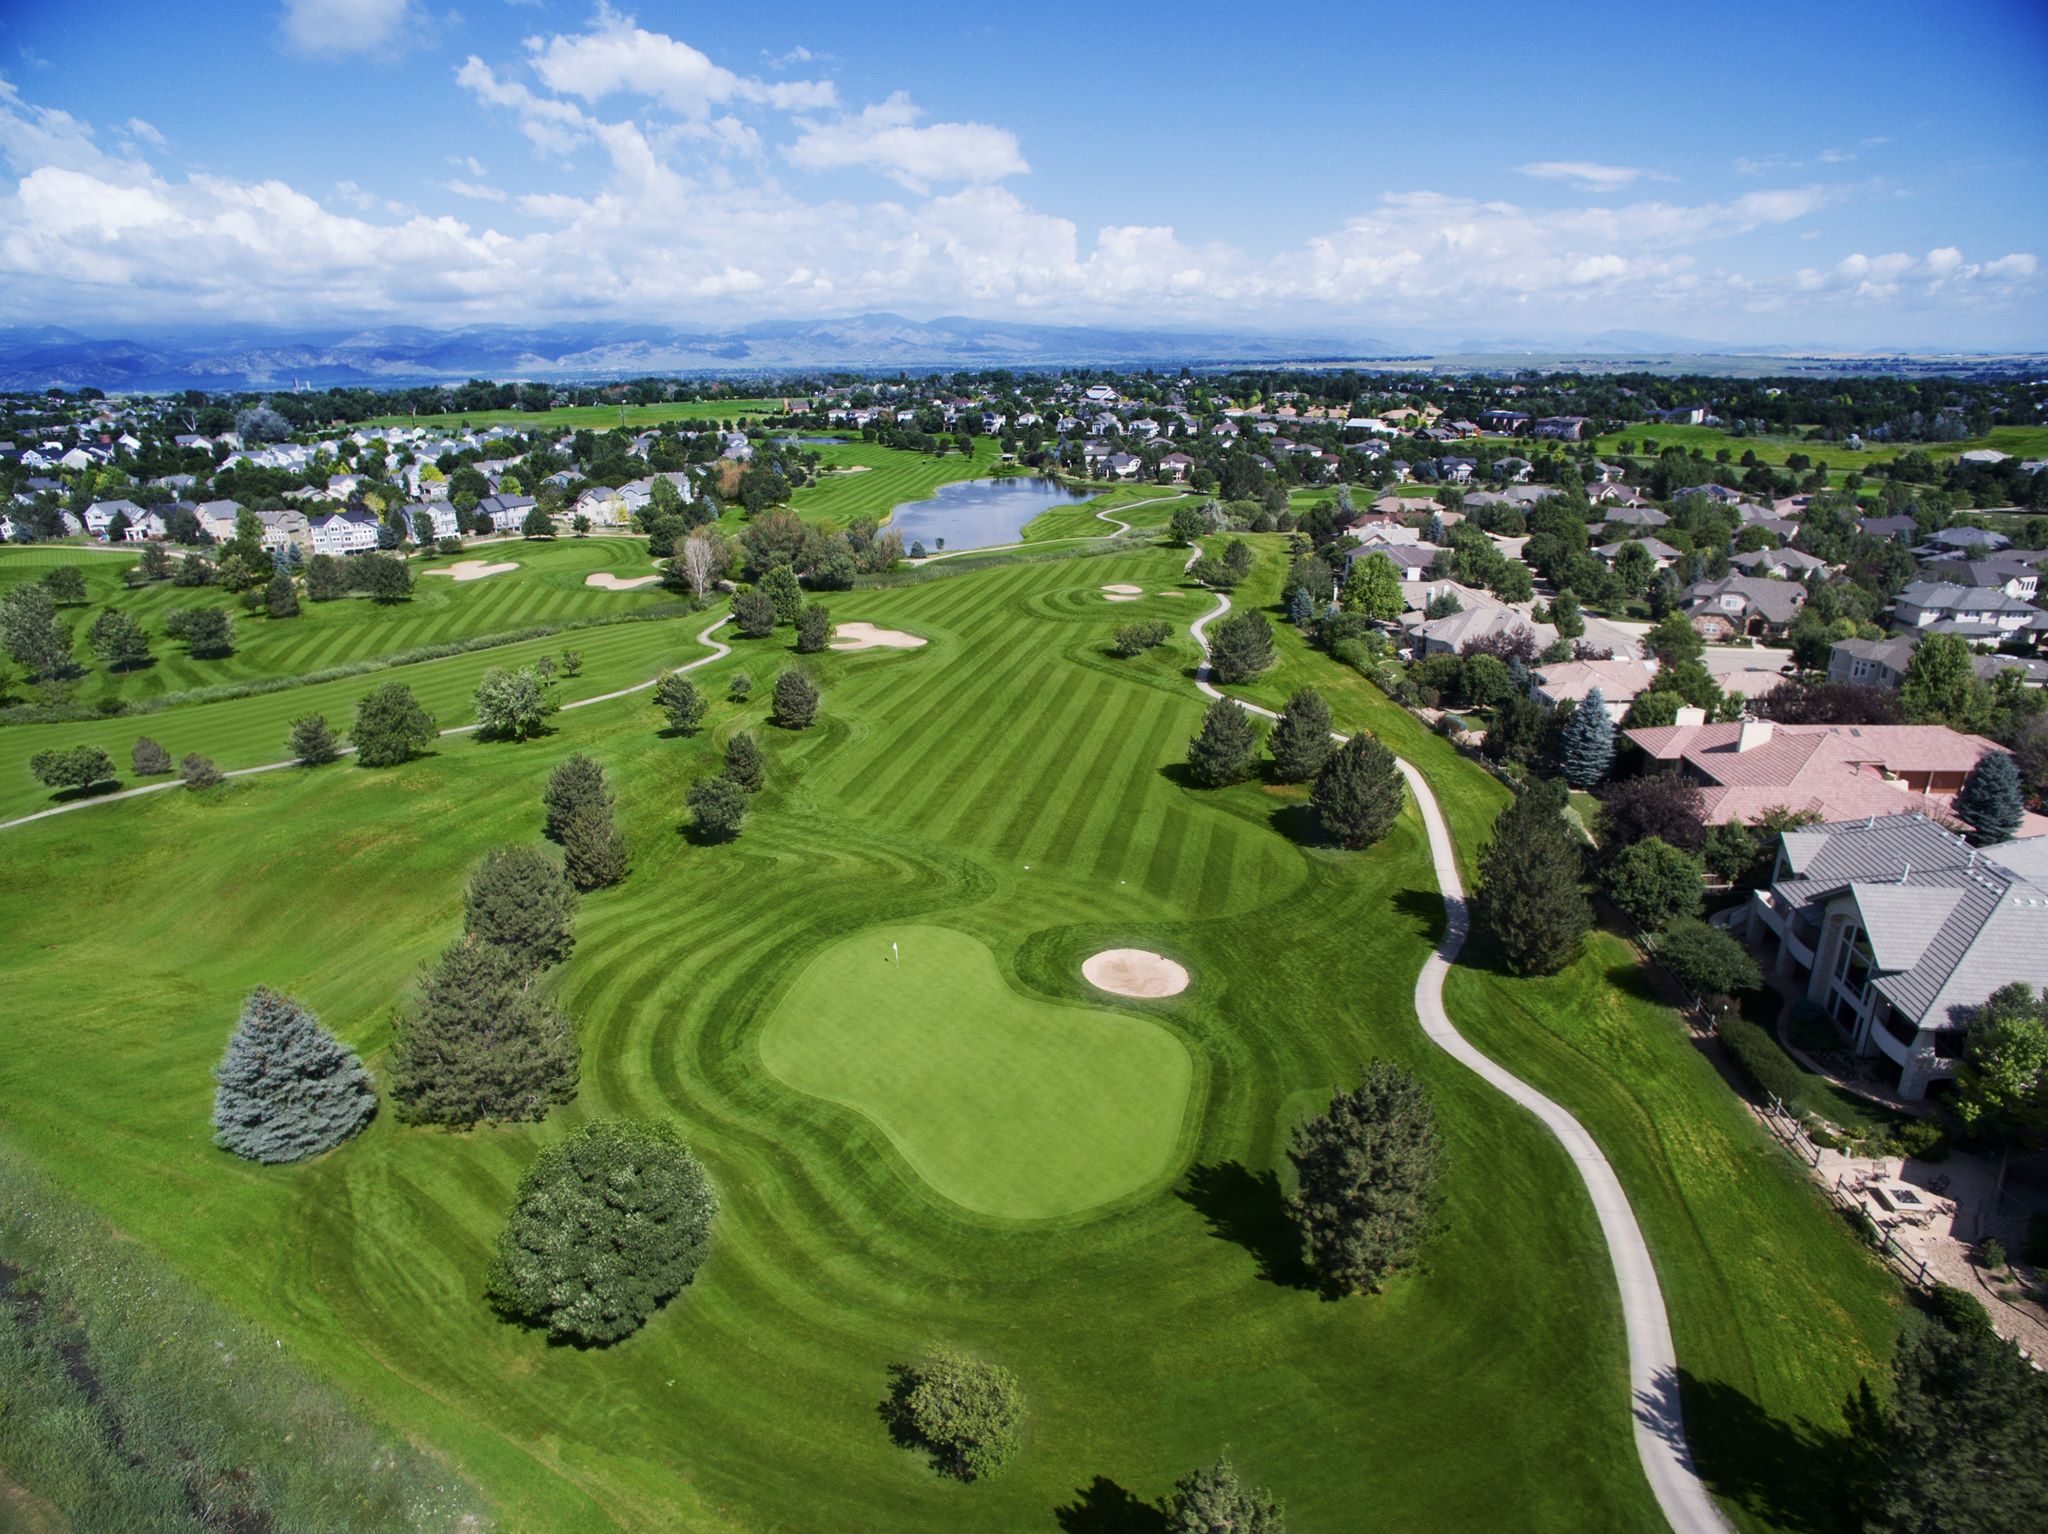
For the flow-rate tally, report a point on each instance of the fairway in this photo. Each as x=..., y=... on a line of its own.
x=1006, y=1103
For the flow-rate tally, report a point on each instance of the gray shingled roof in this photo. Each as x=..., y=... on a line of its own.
x=1971, y=924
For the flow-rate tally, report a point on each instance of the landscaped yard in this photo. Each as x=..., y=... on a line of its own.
x=992, y=1154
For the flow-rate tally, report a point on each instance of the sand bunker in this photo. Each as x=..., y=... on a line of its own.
x=474, y=569
x=865, y=636
x=1122, y=592
x=1134, y=972
x=604, y=580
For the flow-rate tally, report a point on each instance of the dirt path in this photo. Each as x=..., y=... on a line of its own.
x=1652, y=1358
x=719, y=652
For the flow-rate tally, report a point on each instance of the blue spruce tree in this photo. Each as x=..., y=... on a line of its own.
x=287, y=1087
x=1588, y=746
x=1301, y=610
x=1989, y=802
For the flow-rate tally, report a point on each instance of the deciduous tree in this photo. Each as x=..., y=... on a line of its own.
x=118, y=641
x=72, y=767
x=31, y=634
x=1214, y=1500
x=1655, y=883
x=965, y=1413
x=718, y=806
x=1373, y=588
x=514, y=705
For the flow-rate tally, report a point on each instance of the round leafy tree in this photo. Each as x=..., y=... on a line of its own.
x=963, y=1412
x=1213, y=1498
x=609, y=1225
x=677, y=697
x=719, y=806
x=390, y=726
x=287, y=1088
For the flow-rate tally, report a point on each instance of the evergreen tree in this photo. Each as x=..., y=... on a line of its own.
x=780, y=587
x=1528, y=899
x=796, y=701
x=744, y=763
x=1358, y=793
x=1367, y=1175
x=311, y=742
x=609, y=1225
x=520, y=900
x=754, y=612
x=1989, y=802
x=593, y=852
x=1213, y=1500
x=1301, y=741
x=677, y=696
x=199, y=771
x=31, y=634
x=1588, y=743
x=1225, y=750
x=813, y=629
x=479, y=1045
x=576, y=785
x=391, y=727
x=1301, y=608
x=1241, y=646
x=149, y=759
x=287, y=1088
x=281, y=597
x=718, y=805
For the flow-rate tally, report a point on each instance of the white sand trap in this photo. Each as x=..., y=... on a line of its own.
x=865, y=636
x=1124, y=589
x=604, y=580
x=1134, y=972
x=474, y=569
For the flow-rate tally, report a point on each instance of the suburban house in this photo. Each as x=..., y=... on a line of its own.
x=442, y=515
x=1562, y=428
x=346, y=532
x=1973, y=612
x=1901, y=931
x=1779, y=564
x=1889, y=527
x=1883, y=662
x=1636, y=516
x=99, y=516
x=284, y=528
x=507, y=512
x=1742, y=604
x=217, y=518
x=1662, y=554
x=2012, y=572
x=1411, y=558
x=1619, y=681
x=1962, y=542
x=1838, y=771
x=1484, y=620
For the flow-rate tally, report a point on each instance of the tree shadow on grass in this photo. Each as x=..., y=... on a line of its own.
x=1247, y=1208
x=1300, y=825
x=1423, y=909
x=97, y=790
x=1800, y=1476
x=1103, y=1507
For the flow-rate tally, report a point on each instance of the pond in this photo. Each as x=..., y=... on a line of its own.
x=979, y=513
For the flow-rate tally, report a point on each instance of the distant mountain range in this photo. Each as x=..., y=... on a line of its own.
x=395, y=356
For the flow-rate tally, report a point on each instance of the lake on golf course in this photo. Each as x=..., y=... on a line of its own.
x=977, y=513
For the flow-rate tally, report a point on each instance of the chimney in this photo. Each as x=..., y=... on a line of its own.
x=1755, y=732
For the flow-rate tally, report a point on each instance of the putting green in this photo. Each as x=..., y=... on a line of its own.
x=1010, y=1105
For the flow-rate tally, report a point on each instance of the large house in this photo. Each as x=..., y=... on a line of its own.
x=1883, y=662
x=1619, y=680
x=507, y=512
x=346, y=532
x=1837, y=771
x=1902, y=930
x=1743, y=604
x=1972, y=612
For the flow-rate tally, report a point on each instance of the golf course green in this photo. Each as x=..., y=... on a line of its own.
x=1006, y=1103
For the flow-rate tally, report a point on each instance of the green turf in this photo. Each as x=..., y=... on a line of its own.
x=1018, y=786
x=548, y=587
x=1004, y=1102
x=862, y=479
x=2019, y=441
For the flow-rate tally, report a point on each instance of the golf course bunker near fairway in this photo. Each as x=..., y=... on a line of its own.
x=1134, y=972
x=865, y=636
x=475, y=569
x=604, y=580
x=1005, y=1103
x=1122, y=592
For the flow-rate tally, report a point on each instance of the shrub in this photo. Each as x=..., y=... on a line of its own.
x=718, y=805
x=1920, y=1140
x=1760, y=1060
x=148, y=759
x=1706, y=960
x=391, y=727
x=1134, y=638
x=1991, y=1252
x=286, y=1087
x=963, y=1412
x=199, y=771
x=609, y=1224
x=2036, y=1248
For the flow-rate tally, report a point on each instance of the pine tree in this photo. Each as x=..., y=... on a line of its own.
x=1588, y=743
x=813, y=628
x=287, y=1088
x=311, y=742
x=478, y=1044
x=610, y=1224
x=578, y=784
x=1529, y=901
x=677, y=697
x=1358, y=793
x=779, y=586
x=796, y=701
x=1367, y=1175
x=148, y=759
x=1301, y=608
x=519, y=900
x=1213, y=1499
x=1241, y=646
x=1301, y=740
x=280, y=597
x=744, y=763
x=1989, y=802
x=1227, y=747
x=593, y=852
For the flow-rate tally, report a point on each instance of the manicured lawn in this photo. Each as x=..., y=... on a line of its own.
x=1004, y=1102
x=594, y=417
x=1142, y=506
x=2019, y=441
x=548, y=587
x=1012, y=783
x=1011, y=794
x=866, y=480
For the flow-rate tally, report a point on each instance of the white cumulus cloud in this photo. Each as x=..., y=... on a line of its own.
x=888, y=138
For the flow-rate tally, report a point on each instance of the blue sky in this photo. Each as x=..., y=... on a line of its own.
x=1815, y=174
